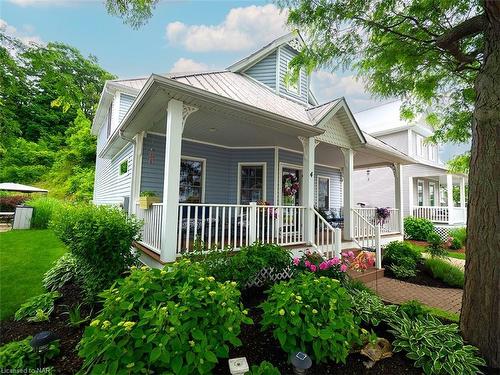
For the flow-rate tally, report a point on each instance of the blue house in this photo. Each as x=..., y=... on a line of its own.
x=236, y=156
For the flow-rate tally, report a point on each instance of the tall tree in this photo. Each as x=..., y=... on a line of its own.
x=48, y=93
x=443, y=54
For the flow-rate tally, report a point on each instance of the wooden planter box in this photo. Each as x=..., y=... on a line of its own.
x=146, y=202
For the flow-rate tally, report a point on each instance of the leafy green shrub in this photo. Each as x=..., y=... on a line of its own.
x=370, y=308
x=20, y=355
x=446, y=272
x=37, y=308
x=435, y=247
x=435, y=347
x=265, y=368
x=458, y=238
x=312, y=315
x=100, y=239
x=403, y=271
x=414, y=309
x=175, y=320
x=417, y=228
x=62, y=272
x=43, y=211
x=242, y=266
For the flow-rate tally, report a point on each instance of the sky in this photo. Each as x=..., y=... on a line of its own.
x=181, y=36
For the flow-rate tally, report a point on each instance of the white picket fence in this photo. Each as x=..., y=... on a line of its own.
x=367, y=235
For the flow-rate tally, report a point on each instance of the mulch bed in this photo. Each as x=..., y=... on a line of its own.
x=67, y=362
x=423, y=277
x=261, y=346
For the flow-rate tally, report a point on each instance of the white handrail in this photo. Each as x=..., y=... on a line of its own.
x=367, y=236
x=326, y=238
x=151, y=229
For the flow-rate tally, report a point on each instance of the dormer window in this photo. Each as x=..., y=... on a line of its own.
x=293, y=87
x=420, y=145
x=432, y=152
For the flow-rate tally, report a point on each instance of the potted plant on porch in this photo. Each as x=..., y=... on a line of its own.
x=147, y=198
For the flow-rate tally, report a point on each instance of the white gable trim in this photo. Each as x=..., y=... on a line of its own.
x=255, y=57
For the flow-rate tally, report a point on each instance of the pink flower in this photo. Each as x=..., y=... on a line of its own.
x=343, y=268
x=313, y=268
x=296, y=261
x=307, y=263
x=351, y=254
x=334, y=261
x=323, y=266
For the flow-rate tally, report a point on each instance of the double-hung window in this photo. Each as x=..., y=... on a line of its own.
x=252, y=181
x=420, y=193
x=432, y=193
x=191, y=180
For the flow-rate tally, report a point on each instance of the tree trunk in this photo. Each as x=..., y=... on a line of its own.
x=480, y=318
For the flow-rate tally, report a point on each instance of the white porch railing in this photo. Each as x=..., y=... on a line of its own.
x=367, y=235
x=389, y=225
x=151, y=230
x=326, y=238
x=438, y=214
x=219, y=226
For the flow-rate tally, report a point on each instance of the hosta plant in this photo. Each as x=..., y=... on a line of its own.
x=62, y=272
x=435, y=347
x=312, y=314
x=370, y=308
x=19, y=355
x=176, y=320
x=38, y=308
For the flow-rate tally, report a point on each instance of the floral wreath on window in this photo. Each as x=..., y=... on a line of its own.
x=290, y=185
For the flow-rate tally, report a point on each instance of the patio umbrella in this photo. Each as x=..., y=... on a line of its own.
x=11, y=186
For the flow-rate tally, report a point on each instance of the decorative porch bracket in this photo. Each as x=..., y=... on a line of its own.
x=308, y=158
x=397, y=170
x=177, y=114
x=348, y=231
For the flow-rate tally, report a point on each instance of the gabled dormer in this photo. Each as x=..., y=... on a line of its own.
x=270, y=66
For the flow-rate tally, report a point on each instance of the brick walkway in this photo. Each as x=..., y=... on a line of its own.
x=395, y=291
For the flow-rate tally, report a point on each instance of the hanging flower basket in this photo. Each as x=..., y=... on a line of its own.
x=290, y=188
x=382, y=214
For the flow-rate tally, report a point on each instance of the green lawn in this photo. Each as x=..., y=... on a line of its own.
x=25, y=255
x=454, y=254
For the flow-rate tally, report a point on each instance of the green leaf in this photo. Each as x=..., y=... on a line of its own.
x=211, y=357
x=155, y=354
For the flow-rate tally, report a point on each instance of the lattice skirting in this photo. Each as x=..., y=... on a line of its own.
x=444, y=231
x=269, y=275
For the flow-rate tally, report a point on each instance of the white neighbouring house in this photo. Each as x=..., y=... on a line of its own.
x=221, y=150
x=427, y=185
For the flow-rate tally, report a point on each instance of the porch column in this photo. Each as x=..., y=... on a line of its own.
x=309, y=145
x=462, y=192
x=136, y=173
x=397, y=169
x=176, y=117
x=449, y=193
x=348, y=231
x=410, y=196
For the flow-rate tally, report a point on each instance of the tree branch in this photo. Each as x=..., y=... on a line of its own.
x=450, y=41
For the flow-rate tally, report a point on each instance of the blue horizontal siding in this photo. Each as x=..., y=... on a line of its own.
x=125, y=103
x=221, y=167
x=286, y=55
x=265, y=70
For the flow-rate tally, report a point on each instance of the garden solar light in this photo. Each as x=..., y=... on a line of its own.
x=301, y=362
x=238, y=366
x=41, y=341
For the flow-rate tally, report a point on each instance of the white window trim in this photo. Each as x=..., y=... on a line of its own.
x=435, y=195
x=280, y=178
x=420, y=144
x=123, y=175
x=329, y=190
x=423, y=193
x=264, y=178
x=432, y=152
x=203, y=172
